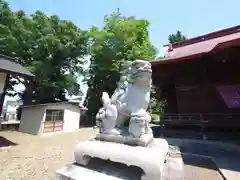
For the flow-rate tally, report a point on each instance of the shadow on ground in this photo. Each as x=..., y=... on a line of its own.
x=5, y=142
x=199, y=161
x=220, y=153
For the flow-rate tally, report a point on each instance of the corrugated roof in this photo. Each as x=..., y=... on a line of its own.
x=196, y=49
x=7, y=64
x=208, y=36
x=201, y=47
x=52, y=104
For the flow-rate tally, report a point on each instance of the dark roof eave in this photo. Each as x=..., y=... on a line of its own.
x=175, y=60
x=8, y=65
x=51, y=103
x=17, y=73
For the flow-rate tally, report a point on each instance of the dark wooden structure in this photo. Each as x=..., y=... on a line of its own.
x=200, y=80
x=9, y=67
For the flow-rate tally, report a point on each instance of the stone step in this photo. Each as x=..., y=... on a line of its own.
x=174, y=168
x=76, y=172
x=228, y=167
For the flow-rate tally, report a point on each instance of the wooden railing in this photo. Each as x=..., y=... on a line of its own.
x=202, y=119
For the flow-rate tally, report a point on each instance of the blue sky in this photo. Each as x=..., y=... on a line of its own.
x=192, y=17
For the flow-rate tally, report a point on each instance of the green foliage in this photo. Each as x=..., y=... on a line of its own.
x=155, y=118
x=120, y=39
x=49, y=47
x=156, y=103
x=172, y=38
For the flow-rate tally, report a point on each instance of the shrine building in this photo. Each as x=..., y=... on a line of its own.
x=199, y=79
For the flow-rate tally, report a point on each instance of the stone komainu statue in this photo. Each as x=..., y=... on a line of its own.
x=128, y=103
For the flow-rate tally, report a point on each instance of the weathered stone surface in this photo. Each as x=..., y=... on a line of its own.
x=144, y=140
x=160, y=144
x=173, y=169
x=150, y=160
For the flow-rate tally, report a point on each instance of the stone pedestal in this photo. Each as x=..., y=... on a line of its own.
x=173, y=170
x=110, y=170
x=149, y=159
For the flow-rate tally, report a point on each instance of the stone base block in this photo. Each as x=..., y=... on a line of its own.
x=76, y=172
x=145, y=140
x=149, y=159
x=160, y=144
x=174, y=169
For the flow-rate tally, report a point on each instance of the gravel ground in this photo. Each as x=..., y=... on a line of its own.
x=38, y=157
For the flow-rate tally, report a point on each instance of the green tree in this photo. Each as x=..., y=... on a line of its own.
x=157, y=104
x=121, y=38
x=51, y=48
x=172, y=38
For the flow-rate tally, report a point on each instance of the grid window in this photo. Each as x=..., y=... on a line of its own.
x=54, y=115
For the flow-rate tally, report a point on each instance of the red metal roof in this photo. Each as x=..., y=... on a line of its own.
x=195, y=47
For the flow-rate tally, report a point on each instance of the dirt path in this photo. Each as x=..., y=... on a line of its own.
x=38, y=157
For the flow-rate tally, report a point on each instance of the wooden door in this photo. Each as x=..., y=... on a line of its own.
x=54, y=120
x=195, y=99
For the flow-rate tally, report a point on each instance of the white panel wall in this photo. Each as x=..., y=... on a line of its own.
x=2, y=81
x=32, y=120
x=71, y=120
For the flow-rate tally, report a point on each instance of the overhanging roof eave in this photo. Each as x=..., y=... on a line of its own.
x=216, y=48
x=8, y=65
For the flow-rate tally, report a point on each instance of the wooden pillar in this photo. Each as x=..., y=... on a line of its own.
x=171, y=97
x=4, y=93
x=27, y=97
x=2, y=97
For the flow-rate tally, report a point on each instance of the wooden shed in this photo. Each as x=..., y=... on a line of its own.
x=51, y=117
